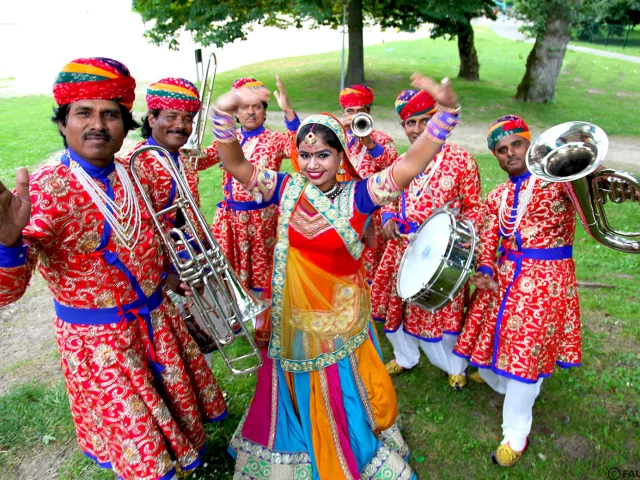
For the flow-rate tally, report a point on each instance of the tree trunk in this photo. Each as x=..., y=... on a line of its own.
x=545, y=61
x=469, y=66
x=355, y=64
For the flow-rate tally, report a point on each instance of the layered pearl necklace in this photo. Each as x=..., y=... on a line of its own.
x=124, y=219
x=509, y=224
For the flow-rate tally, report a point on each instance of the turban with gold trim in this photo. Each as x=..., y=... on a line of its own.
x=94, y=78
x=173, y=93
x=247, y=82
x=505, y=126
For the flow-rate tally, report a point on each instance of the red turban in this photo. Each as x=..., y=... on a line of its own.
x=356, y=96
x=247, y=82
x=174, y=94
x=414, y=102
x=94, y=78
x=505, y=126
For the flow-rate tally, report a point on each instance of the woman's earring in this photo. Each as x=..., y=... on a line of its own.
x=341, y=170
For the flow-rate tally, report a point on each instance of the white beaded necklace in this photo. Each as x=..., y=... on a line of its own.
x=124, y=219
x=422, y=184
x=509, y=225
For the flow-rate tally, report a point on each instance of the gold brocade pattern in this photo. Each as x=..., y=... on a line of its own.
x=382, y=188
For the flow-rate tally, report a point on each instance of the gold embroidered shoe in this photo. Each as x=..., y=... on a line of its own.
x=457, y=382
x=505, y=456
x=475, y=377
x=393, y=368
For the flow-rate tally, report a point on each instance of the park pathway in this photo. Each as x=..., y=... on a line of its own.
x=508, y=28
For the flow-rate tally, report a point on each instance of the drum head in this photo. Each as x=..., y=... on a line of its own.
x=424, y=255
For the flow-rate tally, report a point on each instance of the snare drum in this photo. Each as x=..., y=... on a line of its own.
x=435, y=266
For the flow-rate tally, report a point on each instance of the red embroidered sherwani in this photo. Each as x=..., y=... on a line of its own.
x=244, y=228
x=535, y=322
x=118, y=334
x=456, y=178
x=367, y=162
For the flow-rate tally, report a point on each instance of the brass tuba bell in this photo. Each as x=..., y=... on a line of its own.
x=572, y=153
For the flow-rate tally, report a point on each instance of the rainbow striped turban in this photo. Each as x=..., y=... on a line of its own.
x=94, y=78
x=505, y=126
x=173, y=93
x=247, y=82
x=356, y=96
x=414, y=102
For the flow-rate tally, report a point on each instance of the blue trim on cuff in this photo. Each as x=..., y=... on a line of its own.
x=376, y=151
x=466, y=357
x=196, y=463
x=378, y=319
x=486, y=270
x=219, y=418
x=292, y=125
x=11, y=257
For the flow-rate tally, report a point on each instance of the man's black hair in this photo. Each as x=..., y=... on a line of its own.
x=145, y=131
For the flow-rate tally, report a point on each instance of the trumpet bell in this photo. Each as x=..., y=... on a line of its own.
x=362, y=124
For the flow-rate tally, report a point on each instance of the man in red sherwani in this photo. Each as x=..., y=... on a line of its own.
x=369, y=155
x=138, y=386
x=453, y=177
x=517, y=338
x=245, y=228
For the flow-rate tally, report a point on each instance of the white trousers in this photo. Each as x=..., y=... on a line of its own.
x=406, y=349
x=517, y=410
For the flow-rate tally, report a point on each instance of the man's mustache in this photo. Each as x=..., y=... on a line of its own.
x=181, y=131
x=97, y=134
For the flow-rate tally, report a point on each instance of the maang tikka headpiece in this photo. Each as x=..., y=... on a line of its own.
x=311, y=138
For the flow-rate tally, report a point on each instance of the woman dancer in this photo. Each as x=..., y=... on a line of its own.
x=324, y=406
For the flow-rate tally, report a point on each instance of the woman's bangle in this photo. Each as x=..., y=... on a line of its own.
x=224, y=126
x=455, y=110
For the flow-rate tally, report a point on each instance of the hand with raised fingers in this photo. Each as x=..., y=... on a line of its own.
x=15, y=210
x=441, y=92
x=231, y=101
x=281, y=96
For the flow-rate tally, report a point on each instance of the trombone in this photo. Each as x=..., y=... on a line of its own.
x=225, y=304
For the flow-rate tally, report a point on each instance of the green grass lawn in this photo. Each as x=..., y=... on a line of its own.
x=586, y=419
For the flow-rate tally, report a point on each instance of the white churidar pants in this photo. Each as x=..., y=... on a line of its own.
x=406, y=349
x=517, y=410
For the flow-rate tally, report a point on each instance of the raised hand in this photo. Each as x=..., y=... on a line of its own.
x=231, y=101
x=441, y=92
x=281, y=96
x=15, y=210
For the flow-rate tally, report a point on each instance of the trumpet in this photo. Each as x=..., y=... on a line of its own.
x=193, y=147
x=225, y=304
x=362, y=124
x=572, y=153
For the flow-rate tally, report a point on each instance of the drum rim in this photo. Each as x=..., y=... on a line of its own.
x=447, y=253
x=465, y=271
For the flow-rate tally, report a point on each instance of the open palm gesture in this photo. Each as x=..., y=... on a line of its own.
x=15, y=210
x=441, y=92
